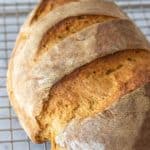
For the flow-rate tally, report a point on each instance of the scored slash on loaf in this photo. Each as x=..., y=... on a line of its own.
x=78, y=64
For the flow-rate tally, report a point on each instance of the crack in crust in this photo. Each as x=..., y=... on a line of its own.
x=46, y=6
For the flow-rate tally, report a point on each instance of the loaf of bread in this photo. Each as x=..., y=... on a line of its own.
x=79, y=76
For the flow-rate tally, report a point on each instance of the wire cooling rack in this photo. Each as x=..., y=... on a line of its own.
x=12, y=15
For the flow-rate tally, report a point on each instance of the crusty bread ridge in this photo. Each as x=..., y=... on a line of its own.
x=116, y=75
x=72, y=61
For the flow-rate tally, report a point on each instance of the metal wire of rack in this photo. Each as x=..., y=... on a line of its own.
x=12, y=15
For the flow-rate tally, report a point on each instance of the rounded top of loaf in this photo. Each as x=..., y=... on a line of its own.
x=58, y=38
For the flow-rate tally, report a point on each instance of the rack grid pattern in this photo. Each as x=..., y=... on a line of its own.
x=12, y=15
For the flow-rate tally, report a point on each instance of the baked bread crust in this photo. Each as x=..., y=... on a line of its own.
x=36, y=75
x=125, y=124
x=84, y=92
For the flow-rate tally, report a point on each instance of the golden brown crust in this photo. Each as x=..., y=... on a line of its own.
x=84, y=92
x=43, y=111
x=124, y=124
